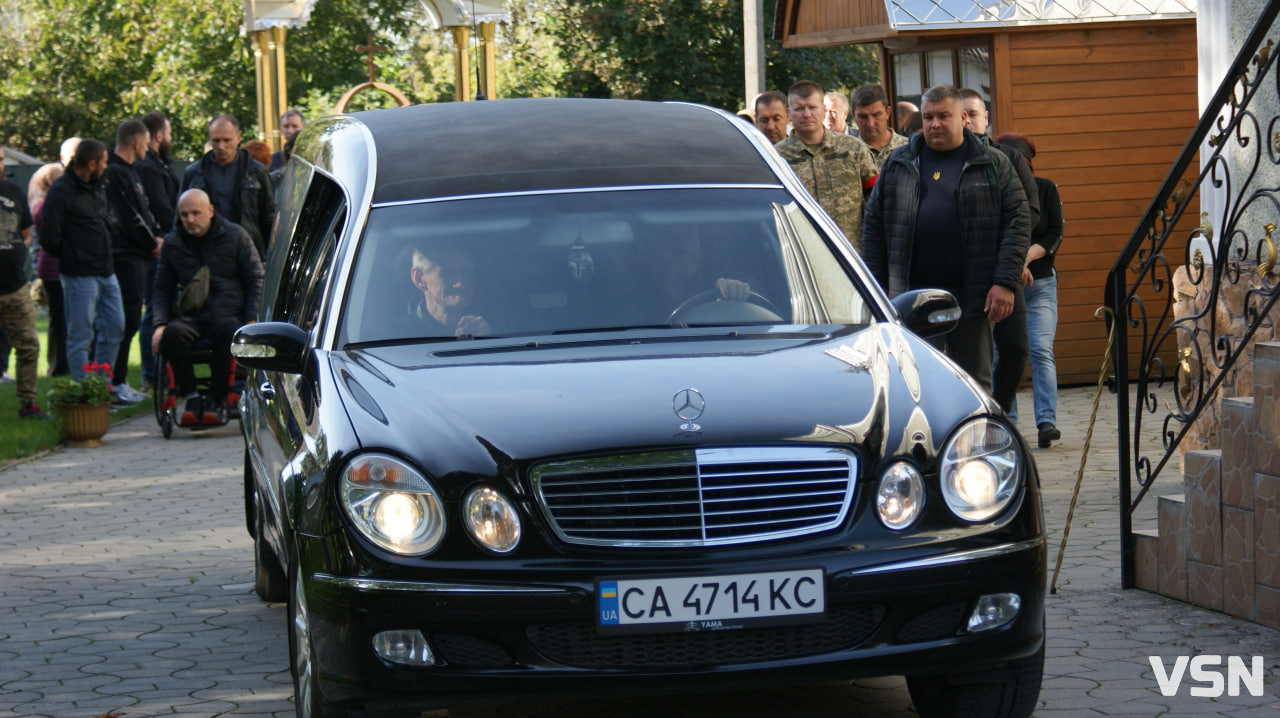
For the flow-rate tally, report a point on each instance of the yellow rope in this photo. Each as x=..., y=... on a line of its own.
x=1088, y=438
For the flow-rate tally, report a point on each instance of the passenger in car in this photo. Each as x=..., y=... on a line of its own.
x=444, y=273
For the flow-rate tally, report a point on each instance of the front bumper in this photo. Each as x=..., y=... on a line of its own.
x=498, y=641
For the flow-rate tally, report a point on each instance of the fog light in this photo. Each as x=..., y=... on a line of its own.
x=994, y=611
x=408, y=648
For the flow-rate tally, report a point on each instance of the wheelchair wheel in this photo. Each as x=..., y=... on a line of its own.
x=166, y=425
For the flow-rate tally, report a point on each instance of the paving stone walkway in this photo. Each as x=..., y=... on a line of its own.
x=126, y=586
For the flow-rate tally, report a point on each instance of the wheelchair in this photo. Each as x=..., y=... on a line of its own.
x=166, y=403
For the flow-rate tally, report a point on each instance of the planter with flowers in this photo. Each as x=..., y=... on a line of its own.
x=84, y=404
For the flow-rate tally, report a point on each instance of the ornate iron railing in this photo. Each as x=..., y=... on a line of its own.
x=1242, y=146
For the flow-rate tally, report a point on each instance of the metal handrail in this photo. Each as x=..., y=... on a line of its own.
x=1145, y=265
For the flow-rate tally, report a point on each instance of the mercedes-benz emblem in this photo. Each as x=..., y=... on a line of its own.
x=688, y=404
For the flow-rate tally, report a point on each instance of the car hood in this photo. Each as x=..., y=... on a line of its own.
x=470, y=408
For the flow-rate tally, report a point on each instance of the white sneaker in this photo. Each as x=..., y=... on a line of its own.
x=5, y=378
x=127, y=394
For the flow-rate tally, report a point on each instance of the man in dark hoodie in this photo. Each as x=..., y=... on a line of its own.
x=77, y=227
x=238, y=185
x=162, y=194
x=137, y=241
x=203, y=238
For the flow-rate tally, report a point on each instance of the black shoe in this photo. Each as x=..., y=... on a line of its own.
x=193, y=412
x=1048, y=433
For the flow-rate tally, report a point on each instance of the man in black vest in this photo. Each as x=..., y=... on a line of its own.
x=238, y=185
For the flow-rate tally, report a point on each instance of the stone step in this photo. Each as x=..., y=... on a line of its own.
x=1202, y=487
x=1236, y=436
x=1146, y=559
x=1173, y=546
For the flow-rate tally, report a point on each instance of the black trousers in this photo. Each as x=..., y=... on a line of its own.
x=131, y=273
x=180, y=335
x=969, y=345
x=56, y=353
x=1011, y=353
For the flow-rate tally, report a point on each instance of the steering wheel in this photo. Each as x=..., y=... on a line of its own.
x=755, y=308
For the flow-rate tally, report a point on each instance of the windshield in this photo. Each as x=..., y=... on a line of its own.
x=590, y=261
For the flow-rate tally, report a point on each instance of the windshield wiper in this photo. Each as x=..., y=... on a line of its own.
x=628, y=327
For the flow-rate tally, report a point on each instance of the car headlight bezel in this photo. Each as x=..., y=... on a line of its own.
x=980, y=470
x=492, y=520
x=392, y=504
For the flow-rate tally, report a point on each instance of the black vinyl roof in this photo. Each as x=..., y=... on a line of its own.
x=486, y=147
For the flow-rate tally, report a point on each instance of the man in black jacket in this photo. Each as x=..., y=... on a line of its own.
x=204, y=239
x=162, y=194
x=238, y=185
x=77, y=227
x=949, y=212
x=136, y=243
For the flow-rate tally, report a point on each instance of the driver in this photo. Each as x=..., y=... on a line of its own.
x=673, y=266
x=444, y=273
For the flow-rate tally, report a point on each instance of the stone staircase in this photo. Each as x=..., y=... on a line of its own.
x=1218, y=543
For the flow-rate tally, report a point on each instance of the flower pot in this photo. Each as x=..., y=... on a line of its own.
x=84, y=424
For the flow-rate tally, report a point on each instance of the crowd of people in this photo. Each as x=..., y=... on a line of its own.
x=928, y=201
x=933, y=201
x=123, y=250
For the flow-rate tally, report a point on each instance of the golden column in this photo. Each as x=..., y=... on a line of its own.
x=268, y=61
x=488, y=70
x=272, y=97
x=461, y=63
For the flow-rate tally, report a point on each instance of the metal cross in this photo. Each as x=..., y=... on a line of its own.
x=371, y=48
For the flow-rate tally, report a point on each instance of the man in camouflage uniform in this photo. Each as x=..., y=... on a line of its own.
x=874, y=119
x=836, y=169
x=17, y=314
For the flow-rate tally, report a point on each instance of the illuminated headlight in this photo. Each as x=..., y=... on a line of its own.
x=900, y=496
x=979, y=470
x=392, y=504
x=491, y=519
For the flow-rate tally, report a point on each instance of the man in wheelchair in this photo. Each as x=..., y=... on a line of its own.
x=183, y=317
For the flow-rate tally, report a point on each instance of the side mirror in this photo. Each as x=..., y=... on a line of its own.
x=928, y=312
x=270, y=346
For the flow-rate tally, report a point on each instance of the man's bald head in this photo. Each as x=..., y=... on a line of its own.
x=195, y=211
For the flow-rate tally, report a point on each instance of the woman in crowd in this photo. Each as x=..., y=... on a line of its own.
x=1041, y=292
x=47, y=272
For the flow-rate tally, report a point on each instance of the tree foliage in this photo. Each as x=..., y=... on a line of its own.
x=79, y=67
x=686, y=50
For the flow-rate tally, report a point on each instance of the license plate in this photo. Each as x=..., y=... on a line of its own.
x=710, y=603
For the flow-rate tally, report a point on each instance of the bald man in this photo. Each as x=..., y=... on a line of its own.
x=239, y=186
x=204, y=238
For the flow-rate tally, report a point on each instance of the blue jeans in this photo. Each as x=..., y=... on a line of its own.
x=92, y=305
x=1042, y=324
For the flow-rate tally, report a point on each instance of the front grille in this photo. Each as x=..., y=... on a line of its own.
x=935, y=623
x=700, y=497
x=470, y=652
x=580, y=645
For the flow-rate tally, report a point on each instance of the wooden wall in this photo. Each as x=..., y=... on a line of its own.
x=1109, y=109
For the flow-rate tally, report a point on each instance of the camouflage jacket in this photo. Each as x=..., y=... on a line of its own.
x=836, y=175
x=881, y=153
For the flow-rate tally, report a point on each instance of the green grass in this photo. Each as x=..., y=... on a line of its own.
x=22, y=437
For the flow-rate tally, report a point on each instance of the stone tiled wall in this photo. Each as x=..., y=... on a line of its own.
x=1218, y=544
x=1228, y=319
